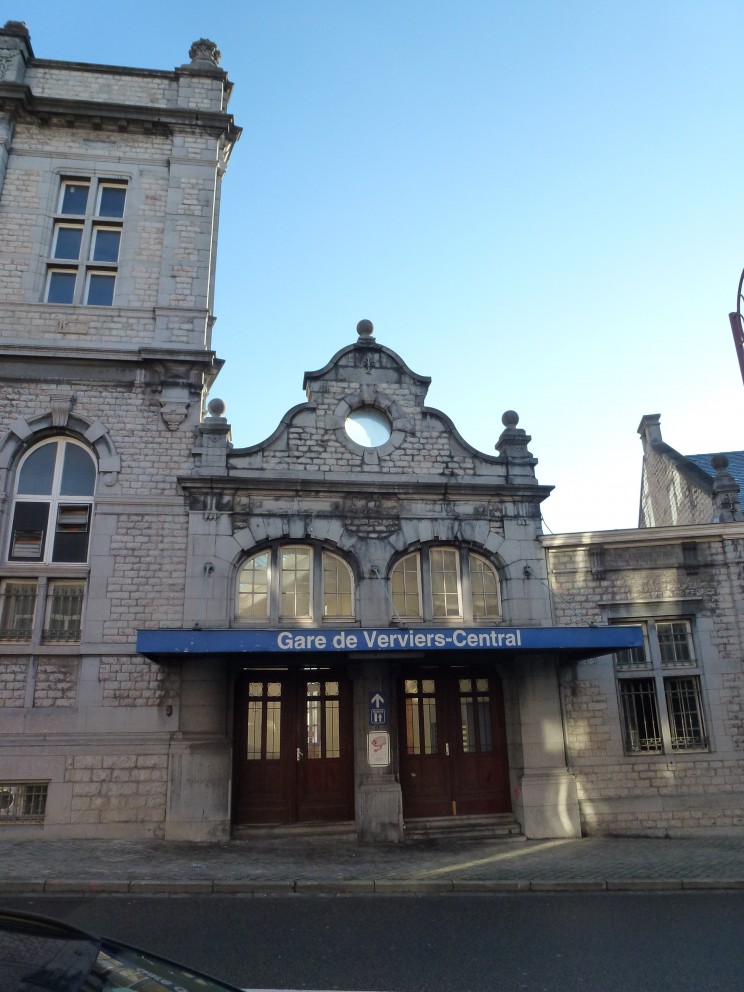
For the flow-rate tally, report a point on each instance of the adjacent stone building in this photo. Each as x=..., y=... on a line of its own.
x=655, y=735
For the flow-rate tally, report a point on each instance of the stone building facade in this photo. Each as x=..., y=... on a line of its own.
x=109, y=200
x=348, y=622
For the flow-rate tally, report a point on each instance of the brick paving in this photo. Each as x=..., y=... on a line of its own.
x=316, y=864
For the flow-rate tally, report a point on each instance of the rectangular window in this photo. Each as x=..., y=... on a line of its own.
x=634, y=657
x=30, y=521
x=685, y=713
x=23, y=802
x=73, y=197
x=445, y=583
x=640, y=716
x=295, y=579
x=18, y=609
x=405, y=587
x=71, y=533
x=67, y=241
x=89, y=202
x=675, y=643
x=64, y=610
x=661, y=712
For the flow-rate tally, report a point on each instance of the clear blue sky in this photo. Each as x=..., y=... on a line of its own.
x=539, y=205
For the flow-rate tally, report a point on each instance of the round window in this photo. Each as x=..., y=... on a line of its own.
x=368, y=426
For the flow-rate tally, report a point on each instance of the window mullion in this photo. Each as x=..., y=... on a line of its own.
x=427, y=603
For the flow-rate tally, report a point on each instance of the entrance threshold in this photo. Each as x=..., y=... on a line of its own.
x=496, y=826
x=339, y=830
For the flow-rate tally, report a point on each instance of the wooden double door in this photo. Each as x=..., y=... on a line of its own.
x=453, y=752
x=292, y=749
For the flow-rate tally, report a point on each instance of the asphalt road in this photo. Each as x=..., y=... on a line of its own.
x=603, y=942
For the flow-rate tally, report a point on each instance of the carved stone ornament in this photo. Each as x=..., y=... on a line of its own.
x=174, y=412
x=61, y=404
x=204, y=50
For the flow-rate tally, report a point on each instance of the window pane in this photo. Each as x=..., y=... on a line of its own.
x=675, y=643
x=67, y=242
x=30, y=521
x=74, y=198
x=295, y=581
x=61, y=287
x=445, y=586
x=253, y=587
x=78, y=472
x=404, y=586
x=105, y=246
x=685, y=714
x=111, y=201
x=100, y=290
x=37, y=472
x=640, y=715
x=484, y=589
x=336, y=587
x=71, y=532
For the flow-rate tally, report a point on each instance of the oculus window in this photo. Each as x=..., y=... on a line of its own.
x=368, y=427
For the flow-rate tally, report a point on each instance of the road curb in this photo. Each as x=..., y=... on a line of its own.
x=382, y=886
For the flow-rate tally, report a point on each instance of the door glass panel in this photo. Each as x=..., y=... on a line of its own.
x=332, y=738
x=475, y=717
x=255, y=726
x=421, y=717
x=264, y=721
x=313, y=725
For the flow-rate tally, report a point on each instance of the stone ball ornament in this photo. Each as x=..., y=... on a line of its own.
x=216, y=407
x=510, y=418
x=365, y=328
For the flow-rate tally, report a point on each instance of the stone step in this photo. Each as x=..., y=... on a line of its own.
x=501, y=826
x=342, y=830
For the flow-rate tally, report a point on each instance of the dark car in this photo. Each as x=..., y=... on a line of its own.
x=43, y=955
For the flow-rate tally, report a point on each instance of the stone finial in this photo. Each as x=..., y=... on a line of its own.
x=512, y=448
x=726, y=506
x=216, y=408
x=204, y=52
x=364, y=330
x=16, y=27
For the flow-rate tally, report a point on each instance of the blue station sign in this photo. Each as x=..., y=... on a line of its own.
x=577, y=642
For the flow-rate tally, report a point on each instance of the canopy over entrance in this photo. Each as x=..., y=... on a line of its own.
x=569, y=643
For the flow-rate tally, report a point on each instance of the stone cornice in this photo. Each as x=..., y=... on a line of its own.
x=645, y=536
x=20, y=99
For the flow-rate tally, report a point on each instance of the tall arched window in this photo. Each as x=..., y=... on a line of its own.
x=50, y=527
x=295, y=582
x=53, y=503
x=445, y=583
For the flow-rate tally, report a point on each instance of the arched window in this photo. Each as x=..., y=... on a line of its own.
x=295, y=582
x=445, y=583
x=53, y=503
x=51, y=517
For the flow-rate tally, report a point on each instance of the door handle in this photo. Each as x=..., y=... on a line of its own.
x=299, y=754
x=446, y=749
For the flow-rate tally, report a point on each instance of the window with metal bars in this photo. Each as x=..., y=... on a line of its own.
x=62, y=601
x=661, y=712
x=23, y=802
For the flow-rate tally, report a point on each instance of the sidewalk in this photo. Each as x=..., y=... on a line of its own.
x=333, y=865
